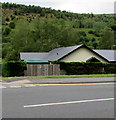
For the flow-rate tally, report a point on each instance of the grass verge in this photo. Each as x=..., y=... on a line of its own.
x=61, y=76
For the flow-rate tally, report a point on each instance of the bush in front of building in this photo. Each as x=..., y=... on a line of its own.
x=110, y=68
x=13, y=68
x=76, y=68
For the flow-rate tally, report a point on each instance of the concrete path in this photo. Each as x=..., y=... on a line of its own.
x=60, y=80
x=74, y=80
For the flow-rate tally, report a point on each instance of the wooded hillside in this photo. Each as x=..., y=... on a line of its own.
x=36, y=29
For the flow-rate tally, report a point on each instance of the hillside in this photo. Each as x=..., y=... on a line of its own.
x=36, y=29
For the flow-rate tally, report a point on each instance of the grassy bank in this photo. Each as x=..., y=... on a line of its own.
x=62, y=76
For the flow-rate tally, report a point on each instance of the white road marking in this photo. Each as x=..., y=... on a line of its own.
x=72, y=102
x=2, y=87
x=15, y=86
x=43, y=85
x=29, y=85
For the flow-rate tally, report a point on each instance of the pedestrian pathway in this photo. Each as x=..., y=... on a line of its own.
x=20, y=86
x=28, y=83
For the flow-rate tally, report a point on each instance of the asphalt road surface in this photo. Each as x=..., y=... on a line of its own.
x=67, y=101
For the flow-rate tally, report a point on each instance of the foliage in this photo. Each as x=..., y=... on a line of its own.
x=107, y=40
x=7, y=19
x=12, y=25
x=88, y=68
x=37, y=29
x=113, y=27
x=6, y=31
x=13, y=68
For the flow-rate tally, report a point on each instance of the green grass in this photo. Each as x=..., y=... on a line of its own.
x=62, y=76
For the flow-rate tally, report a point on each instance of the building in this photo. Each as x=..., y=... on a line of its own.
x=79, y=53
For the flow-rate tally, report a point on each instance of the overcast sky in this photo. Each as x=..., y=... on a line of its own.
x=77, y=6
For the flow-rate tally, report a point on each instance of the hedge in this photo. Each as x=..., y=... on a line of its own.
x=13, y=68
x=16, y=68
x=76, y=68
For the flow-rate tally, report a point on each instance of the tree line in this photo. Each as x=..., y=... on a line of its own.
x=36, y=29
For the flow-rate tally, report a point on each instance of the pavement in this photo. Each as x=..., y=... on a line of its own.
x=59, y=80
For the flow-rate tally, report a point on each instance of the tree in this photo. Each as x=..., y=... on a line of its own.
x=42, y=14
x=6, y=31
x=21, y=38
x=6, y=49
x=12, y=17
x=81, y=25
x=12, y=25
x=113, y=27
x=94, y=44
x=7, y=19
x=107, y=40
x=99, y=26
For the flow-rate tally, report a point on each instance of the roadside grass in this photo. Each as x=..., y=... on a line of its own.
x=61, y=76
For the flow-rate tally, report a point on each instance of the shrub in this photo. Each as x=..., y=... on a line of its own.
x=7, y=19
x=82, y=33
x=12, y=25
x=76, y=68
x=13, y=68
x=91, y=32
x=12, y=17
x=5, y=70
x=7, y=31
x=110, y=68
x=113, y=27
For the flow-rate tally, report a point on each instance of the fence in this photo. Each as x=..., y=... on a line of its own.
x=42, y=69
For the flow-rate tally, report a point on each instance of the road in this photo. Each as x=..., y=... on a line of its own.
x=66, y=101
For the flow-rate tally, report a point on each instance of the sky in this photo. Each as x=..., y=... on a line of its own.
x=76, y=6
